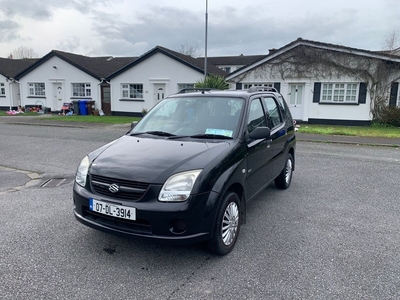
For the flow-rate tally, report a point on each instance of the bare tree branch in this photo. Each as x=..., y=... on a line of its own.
x=24, y=52
x=193, y=51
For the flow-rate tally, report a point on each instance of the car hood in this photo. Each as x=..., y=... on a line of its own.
x=153, y=160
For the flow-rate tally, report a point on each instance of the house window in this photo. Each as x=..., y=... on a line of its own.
x=132, y=91
x=81, y=90
x=2, y=89
x=182, y=86
x=339, y=92
x=36, y=89
x=246, y=86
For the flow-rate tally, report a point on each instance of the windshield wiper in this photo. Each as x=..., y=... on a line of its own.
x=159, y=133
x=210, y=136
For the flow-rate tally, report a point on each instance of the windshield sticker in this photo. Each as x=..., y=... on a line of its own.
x=223, y=132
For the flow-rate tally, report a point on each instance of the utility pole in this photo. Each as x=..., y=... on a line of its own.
x=205, y=55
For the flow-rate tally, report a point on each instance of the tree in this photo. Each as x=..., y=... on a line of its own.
x=392, y=41
x=212, y=82
x=24, y=52
x=190, y=50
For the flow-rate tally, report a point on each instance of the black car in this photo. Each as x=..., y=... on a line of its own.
x=187, y=170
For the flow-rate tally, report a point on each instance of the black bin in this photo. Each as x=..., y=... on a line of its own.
x=75, y=107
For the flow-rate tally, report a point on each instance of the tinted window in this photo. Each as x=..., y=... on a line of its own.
x=275, y=118
x=256, y=115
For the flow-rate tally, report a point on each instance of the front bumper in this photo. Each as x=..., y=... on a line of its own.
x=186, y=222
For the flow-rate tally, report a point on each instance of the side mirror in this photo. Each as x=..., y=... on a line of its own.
x=260, y=133
x=133, y=124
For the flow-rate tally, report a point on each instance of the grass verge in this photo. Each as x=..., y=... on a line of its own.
x=363, y=131
x=76, y=118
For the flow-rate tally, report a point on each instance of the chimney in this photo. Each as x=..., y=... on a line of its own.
x=272, y=51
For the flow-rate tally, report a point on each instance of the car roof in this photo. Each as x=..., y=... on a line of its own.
x=226, y=93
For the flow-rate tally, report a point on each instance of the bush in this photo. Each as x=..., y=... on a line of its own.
x=213, y=82
x=389, y=116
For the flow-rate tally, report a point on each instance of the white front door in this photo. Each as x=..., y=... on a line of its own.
x=159, y=92
x=58, y=96
x=296, y=92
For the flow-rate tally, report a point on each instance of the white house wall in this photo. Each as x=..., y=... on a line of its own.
x=310, y=110
x=5, y=99
x=155, y=70
x=56, y=72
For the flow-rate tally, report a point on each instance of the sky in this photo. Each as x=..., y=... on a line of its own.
x=133, y=27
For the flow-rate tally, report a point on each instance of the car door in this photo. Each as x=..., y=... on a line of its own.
x=259, y=152
x=278, y=132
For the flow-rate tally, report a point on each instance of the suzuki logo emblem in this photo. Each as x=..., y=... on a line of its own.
x=113, y=188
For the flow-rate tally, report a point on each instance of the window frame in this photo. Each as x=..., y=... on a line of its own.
x=87, y=90
x=182, y=86
x=337, y=92
x=33, y=87
x=136, y=86
x=2, y=89
x=246, y=86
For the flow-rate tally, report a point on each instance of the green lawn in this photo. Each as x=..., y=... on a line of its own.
x=77, y=118
x=92, y=119
x=365, y=131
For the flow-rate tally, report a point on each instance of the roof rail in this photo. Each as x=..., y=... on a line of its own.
x=188, y=90
x=262, y=89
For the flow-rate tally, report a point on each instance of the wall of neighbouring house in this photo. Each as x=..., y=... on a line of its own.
x=157, y=70
x=308, y=110
x=5, y=99
x=56, y=73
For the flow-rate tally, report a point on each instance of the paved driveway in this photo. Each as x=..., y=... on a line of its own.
x=333, y=235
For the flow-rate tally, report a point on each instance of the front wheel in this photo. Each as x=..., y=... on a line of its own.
x=227, y=226
x=285, y=177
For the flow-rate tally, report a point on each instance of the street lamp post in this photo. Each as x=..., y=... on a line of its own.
x=205, y=51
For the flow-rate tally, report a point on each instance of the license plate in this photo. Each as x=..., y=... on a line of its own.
x=114, y=210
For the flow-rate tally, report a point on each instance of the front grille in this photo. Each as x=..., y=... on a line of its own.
x=138, y=226
x=129, y=190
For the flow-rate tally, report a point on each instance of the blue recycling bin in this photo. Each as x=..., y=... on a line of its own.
x=83, y=108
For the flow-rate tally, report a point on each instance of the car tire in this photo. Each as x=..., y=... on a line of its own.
x=227, y=225
x=285, y=177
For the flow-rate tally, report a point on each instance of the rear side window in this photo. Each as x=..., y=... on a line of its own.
x=256, y=115
x=275, y=118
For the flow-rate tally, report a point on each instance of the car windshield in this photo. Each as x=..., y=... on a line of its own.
x=201, y=117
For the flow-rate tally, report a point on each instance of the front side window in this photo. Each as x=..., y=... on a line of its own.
x=132, y=91
x=2, y=89
x=36, y=89
x=256, y=116
x=275, y=118
x=339, y=92
x=81, y=90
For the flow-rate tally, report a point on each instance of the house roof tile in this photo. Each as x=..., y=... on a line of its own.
x=239, y=60
x=194, y=63
x=11, y=67
x=98, y=67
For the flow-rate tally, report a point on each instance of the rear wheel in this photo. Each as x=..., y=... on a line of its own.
x=285, y=177
x=227, y=226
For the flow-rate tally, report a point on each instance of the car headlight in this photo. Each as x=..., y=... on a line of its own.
x=82, y=171
x=178, y=187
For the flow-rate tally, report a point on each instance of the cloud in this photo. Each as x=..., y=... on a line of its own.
x=43, y=9
x=8, y=31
